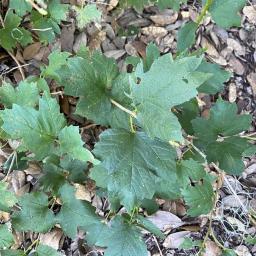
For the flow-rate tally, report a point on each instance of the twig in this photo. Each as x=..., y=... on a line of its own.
x=13, y=57
x=12, y=69
x=131, y=113
x=14, y=156
x=38, y=8
x=158, y=247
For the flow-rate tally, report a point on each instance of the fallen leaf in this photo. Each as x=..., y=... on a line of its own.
x=175, y=240
x=31, y=50
x=165, y=220
x=250, y=13
x=212, y=249
x=52, y=238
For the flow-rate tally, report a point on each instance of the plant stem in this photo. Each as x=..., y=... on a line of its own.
x=131, y=113
x=204, y=11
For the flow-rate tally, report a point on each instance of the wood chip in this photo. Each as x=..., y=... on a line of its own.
x=154, y=31
x=232, y=94
x=250, y=13
x=251, y=78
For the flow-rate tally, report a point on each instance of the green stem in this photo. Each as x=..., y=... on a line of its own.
x=204, y=11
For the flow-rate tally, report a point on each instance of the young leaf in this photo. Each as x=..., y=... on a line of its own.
x=167, y=84
x=216, y=83
x=219, y=10
x=187, y=36
x=86, y=15
x=134, y=166
x=12, y=34
x=21, y=7
x=26, y=94
x=72, y=144
x=74, y=213
x=58, y=11
x=45, y=250
x=96, y=81
x=8, y=198
x=223, y=122
x=199, y=198
x=37, y=129
x=6, y=237
x=56, y=61
x=34, y=215
x=124, y=239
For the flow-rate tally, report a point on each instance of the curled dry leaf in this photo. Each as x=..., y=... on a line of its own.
x=250, y=13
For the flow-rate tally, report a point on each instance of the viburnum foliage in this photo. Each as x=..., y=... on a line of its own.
x=155, y=143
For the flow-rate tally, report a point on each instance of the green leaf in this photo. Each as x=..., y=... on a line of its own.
x=8, y=198
x=216, y=83
x=58, y=11
x=72, y=144
x=187, y=36
x=53, y=179
x=212, y=132
x=134, y=166
x=199, y=198
x=37, y=129
x=228, y=154
x=188, y=243
x=12, y=34
x=137, y=4
x=56, y=59
x=124, y=239
x=21, y=7
x=12, y=253
x=220, y=8
x=251, y=240
x=26, y=94
x=45, y=250
x=86, y=15
x=96, y=81
x=34, y=215
x=74, y=213
x=186, y=112
x=223, y=121
x=173, y=4
x=167, y=84
x=190, y=170
x=6, y=237
x=149, y=226
x=228, y=252
x=152, y=53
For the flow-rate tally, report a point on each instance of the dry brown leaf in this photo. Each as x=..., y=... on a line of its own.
x=52, y=238
x=236, y=65
x=31, y=50
x=212, y=249
x=232, y=94
x=165, y=18
x=252, y=81
x=154, y=31
x=236, y=46
x=175, y=240
x=82, y=193
x=165, y=220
